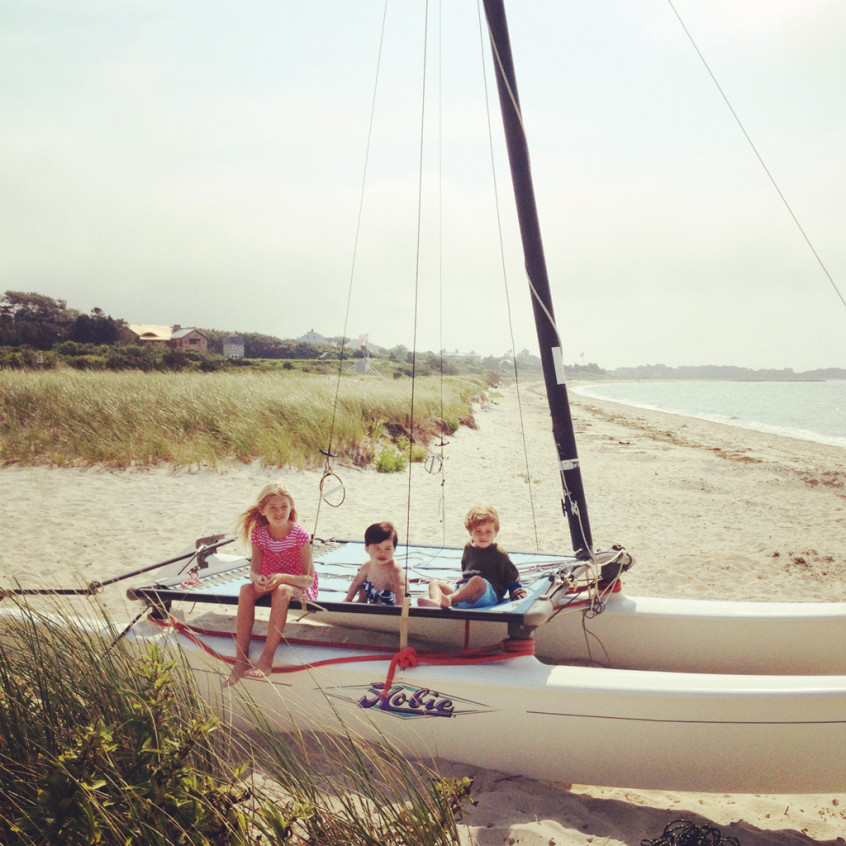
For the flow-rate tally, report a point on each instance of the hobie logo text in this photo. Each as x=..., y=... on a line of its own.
x=406, y=701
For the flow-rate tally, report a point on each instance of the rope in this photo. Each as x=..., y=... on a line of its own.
x=416, y=296
x=759, y=157
x=406, y=658
x=193, y=579
x=686, y=833
x=442, y=443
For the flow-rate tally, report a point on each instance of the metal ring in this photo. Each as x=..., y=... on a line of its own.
x=433, y=463
x=335, y=495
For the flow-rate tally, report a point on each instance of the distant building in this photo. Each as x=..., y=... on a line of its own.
x=312, y=337
x=466, y=357
x=188, y=339
x=527, y=359
x=364, y=345
x=361, y=343
x=233, y=346
x=174, y=336
x=151, y=333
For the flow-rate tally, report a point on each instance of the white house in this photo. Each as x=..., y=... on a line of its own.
x=233, y=346
x=312, y=337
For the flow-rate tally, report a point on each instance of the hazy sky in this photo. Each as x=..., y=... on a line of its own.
x=202, y=163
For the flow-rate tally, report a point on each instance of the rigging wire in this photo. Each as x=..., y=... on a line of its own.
x=327, y=468
x=505, y=279
x=758, y=155
x=519, y=113
x=416, y=297
x=441, y=442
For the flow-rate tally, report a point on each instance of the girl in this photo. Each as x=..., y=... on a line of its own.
x=379, y=581
x=281, y=565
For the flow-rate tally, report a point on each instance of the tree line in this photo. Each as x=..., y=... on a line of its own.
x=40, y=322
x=40, y=331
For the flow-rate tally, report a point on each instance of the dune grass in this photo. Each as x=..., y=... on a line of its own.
x=112, y=744
x=279, y=418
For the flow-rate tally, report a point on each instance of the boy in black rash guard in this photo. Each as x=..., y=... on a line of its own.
x=487, y=573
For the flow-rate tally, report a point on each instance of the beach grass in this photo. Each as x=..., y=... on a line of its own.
x=278, y=418
x=103, y=741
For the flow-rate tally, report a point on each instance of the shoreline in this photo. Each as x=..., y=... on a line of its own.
x=705, y=509
x=583, y=389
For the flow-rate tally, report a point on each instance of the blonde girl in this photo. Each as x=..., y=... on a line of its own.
x=281, y=565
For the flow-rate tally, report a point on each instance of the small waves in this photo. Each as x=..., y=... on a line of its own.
x=811, y=411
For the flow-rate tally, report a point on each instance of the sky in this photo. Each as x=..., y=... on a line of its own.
x=215, y=164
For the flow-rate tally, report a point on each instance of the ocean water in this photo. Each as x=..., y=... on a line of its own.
x=813, y=411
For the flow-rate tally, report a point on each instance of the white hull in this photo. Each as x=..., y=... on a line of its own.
x=674, y=635
x=623, y=728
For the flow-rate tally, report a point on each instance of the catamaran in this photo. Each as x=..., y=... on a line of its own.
x=576, y=682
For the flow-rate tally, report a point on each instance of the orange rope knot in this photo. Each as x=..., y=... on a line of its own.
x=404, y=659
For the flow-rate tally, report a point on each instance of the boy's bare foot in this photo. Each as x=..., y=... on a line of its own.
x=427, y=603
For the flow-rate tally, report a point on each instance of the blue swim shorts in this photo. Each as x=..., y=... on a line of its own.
x=489, y=597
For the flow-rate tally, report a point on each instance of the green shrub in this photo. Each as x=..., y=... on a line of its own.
x=100, y=747
x=418, y=451
x=389, y=459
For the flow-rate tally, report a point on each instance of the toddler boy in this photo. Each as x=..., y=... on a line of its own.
x=487, y=573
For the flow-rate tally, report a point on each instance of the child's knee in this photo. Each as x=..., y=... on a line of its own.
x=477, y=585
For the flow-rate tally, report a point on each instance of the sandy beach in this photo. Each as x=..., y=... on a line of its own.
x=707, y=511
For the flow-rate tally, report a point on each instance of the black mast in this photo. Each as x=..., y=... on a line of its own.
x=573, y=502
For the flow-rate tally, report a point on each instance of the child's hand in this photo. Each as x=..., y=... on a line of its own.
x=520, y=593
x=260, y=582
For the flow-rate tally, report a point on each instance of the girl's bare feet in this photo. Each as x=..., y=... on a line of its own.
x=255, y=673
x=261, y=669
x=238, y=671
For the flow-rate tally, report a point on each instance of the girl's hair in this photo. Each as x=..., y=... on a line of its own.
x=252, y=518
x=378, y=532
x=480, y=514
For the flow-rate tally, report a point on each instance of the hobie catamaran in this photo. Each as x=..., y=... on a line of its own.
x=576, y=682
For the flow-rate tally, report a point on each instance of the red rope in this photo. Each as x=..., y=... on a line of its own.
x=404, y=659
x=192, y=580
x=407, y=658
